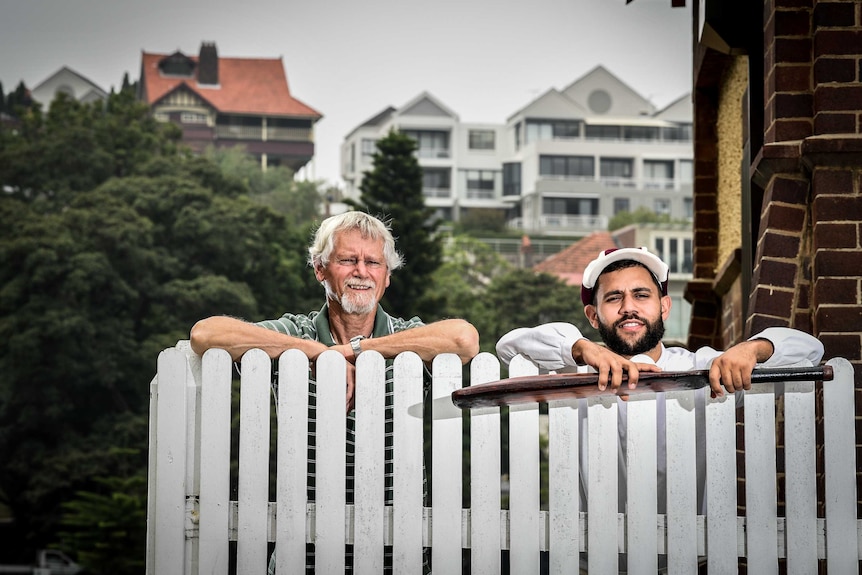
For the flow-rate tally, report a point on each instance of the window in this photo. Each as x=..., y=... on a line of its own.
x=480, y=184
x=616, y=167
x=512, y=179
x=193, y=118
x=680, y=133
x=676, y=253
x=570, y=206
x=658, y=174
x=436, y=183
x=369, y=148
x=567, y=166
x=686, y=171
x=688, y=208
x=551, y=130
x=431, y=143
x=661, y=206
x=603, y=132
x=640, y=133
x=621, y=205
x=481, y=139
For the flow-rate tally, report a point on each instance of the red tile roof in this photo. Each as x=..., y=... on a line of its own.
x=246, y=86
x=569, y=263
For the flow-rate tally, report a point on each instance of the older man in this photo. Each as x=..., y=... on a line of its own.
x=353, y=256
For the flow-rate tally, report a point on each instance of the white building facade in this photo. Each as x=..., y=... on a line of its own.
x=562, y=165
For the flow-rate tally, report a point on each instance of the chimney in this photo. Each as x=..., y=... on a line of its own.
x=208, y=64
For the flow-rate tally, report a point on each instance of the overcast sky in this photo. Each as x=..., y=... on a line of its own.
x=350, y=59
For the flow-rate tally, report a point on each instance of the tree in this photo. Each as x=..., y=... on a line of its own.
x=641, y=215
x=95, y=282
x=392, y=189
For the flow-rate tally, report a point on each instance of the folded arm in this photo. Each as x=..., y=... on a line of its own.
x=237, y=337
x=447, y=336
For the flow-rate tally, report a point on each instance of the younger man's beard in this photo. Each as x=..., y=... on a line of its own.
x=652, y=337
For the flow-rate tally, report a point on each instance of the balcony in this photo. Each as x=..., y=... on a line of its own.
x=560, y=223
x=258, y=133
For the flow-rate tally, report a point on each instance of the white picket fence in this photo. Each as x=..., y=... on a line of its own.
x=192, y=518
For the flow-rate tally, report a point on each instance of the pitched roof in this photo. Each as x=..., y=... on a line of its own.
x=246, y=86
x=569, y=263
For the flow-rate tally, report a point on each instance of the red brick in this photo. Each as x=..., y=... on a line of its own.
x=835, y=42
x=795, y=78
x=836, y=291
x=834, y=123
x=802, y=321
x=793, y=105
x=846, y=345
x=790, y=130
x=792, y=23
x=838, y=263
x=706, y=220
x=828, y=70
x=773, y=301
x=835, y=208
x=793, y=50
x=837, y=97
x=708, y=237
x=829, y=235
x=788, y=218
x=759, y=322
x=838, y=181
x=777, y=274
x=840, y=318
x=779, y=245
x=776, y=4
x=788, y=190
x=705, y=202
x=834, y=14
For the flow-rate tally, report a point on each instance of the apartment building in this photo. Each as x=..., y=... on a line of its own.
x=564, y=164
x=226, y=102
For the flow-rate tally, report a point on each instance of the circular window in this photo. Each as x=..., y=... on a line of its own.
x=599, y=101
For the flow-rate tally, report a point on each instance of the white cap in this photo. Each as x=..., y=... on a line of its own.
x=643, y=256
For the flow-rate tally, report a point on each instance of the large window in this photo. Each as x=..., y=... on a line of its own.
x=436, y=182
x=658, y=174
x=481, y=139
x=603, y=132
x=567, y=166
x=676, y=253
x=512, y=179
x=431, y=143
x=570, y=206
x=369, y=148
x=621, y=205
x=551, y=130
x=680, y=133
x=640, y=133
x=616, y=167
x=661, y=206
x=480, y=183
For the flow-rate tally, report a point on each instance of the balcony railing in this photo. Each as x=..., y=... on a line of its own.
x=560, y=223
x=259, y=134
x=437, y=192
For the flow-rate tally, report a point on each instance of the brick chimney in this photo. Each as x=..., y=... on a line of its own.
x=208, y=64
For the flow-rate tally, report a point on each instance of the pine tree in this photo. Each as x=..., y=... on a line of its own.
x=392, y=190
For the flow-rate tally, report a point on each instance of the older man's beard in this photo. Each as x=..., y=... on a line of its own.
x=612, y=339
x=354, y=303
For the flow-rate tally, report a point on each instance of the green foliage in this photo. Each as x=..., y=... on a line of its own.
x=393, y=190
x=299, y=202
x=103, y=267
x=484, y=222
x=641, y=215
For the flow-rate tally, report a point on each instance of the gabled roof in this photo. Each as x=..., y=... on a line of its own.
x=425, y=104
x=569, y=264
x=246, y=86
x=95, y=90
x=551, y=105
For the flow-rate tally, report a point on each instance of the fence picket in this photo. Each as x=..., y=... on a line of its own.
x=292, y=452
x=760, y=483
x=217, y=368
x=800, y=486
x=603, y=484
x=641, y=489
x=330, y=477
x=370, y=449
x=681, y=483
x=721, y=527
x=446, y=468
x=485, y=494
x=253, y=479
x=842, y=542
x=407, y=495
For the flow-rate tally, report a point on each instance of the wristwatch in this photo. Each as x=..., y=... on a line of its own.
x=354, y=343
